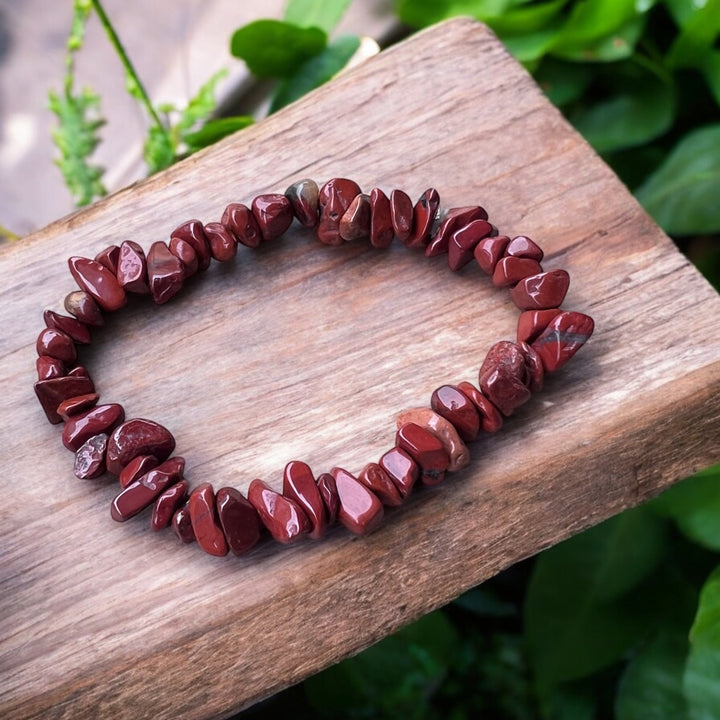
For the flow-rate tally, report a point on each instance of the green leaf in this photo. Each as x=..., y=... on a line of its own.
x=421, y=13
x=272, y=48
x=323, y=14
x=532, y=46
x=576, y=617
x=698, y=34
x=482, y=601
x=159, y=151
x=200, y=106
x=569, y=701
x=563, y=82
x=527, y=19
x=682, y=195
x=616, y=45
x=316, y=71
x=214, y=130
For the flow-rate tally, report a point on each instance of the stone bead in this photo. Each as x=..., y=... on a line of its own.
x=489, y=251
x=223, y=243
x=205, y=522
x=532, y=322
x=328, y=492
x=455, y=219
x=457, y=408
x=463, y=242
x=53, y=391
x=192, y=232
x=100, y=419
x=381, y=228
x=49, y=367
x=55, y=343
x=109, y=258
x=401, y=214
x=427, y=451
x=77, y=330
x=274, y=214
x=360, y=510
x=503, y=377
x=182, y=526
x=84, y=308
x=142, y=492
x=132, y=269
x=299, y=486
x=239, y=520
x=355, y=223
x=334, y=199
x=541, y=292
x=186, y=254
x=522, y=246
x=167, y=504
x=443, y=430
x=490, y=418
x=423, y=218
x=241, y=222
x=79, y=371
x=76, y=405
x=562, y=338
x=165, y=273
x=379, y=482
x=534, y=367
x=303, y=197
x=511, y=270
x=401, y=469
x=136, y=468
x=138, y=437
x=90, y=457
x=96, y=280
x=281, y=516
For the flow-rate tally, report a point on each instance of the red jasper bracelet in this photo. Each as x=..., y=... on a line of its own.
x=429, y=441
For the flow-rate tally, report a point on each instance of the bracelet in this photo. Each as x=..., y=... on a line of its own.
x=429, y=442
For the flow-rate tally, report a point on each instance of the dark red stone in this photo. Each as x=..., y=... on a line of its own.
x=90, y=457
x=458, y=409
x=223, y=243
x=77, y=330
x=541, y=292
x=138, y=437
x=142, y=492
x=185, y=252
x=532, y=322
x=455, y=219
x=84, y=308
x=100, y=419
x=49, y=367
x=376, y=479
x=511, y=270
x=490, y=418
x=522, y=246
x=96, y=280
x=53, y=391
x=401, y=214
x=165, y=273
x=535, y=370
x=109, y=258
x=136, y=468
x=562, y=338
x=401, y=469
x=274, y=214
x=355, y=223
x=303, y=197
x=241, y=222
x=239, y=520
x=299, y=486
x=79, y=371
x=76, y=405
x=167, y=504
x=360, y=510
x=328, y=492
x=55, y=343
x=281, y=516
x=427, y=451
x=192, y=232
x=463, y=242
x=334, y=199
x=182, y=526
x=489, y=251
x=503, y=377
x=132, y=269
x=381, y=228
x=423, y=218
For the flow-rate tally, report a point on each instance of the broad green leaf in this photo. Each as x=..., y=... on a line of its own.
x=201, y=105
x=682, y=10
x=159, y=151
x=569, y=701
x=577, y=619
x=323, y=14
x=532, y=46
x=682, y=195
x=616, y=45
x=421, y=13
x=711, y=71
x=214, y=130
x=272, y=48
x=527, y=19
x=563, y=82
x=698, y=34
x=316, y=71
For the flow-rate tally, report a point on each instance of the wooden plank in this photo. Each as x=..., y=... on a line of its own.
x=305, y=352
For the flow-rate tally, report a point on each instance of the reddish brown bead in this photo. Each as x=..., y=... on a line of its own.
x=136, y=468
x=84, y=308
x=239, y=520
x=53, y=391
x=541, y=292
x=274, y=214
x=182, y=526
x=503, y=377
x=205, y=523
x=281, y=516
x=328, y=492
x=489, y=251
x=76, y=405
x=303, y=197
x=241, y=222
x=360, y=510
x=401, y=469
x=401, y=214
x=165, y=273
x=49, y=367
x=96, y=280
x=427, y=451
x=457, y=408
x=535, y=370
x=142, y=492
x=186, y=254
x=77, y=330
x=562, y=338
x=376, y=479
x=511, y=270
x=109, y=258
x=423, y=219
x=167, y=504
x=455, y=219
x=355, y=223
x=522, y=246
x=490, y=418
x=79, y=371
x=299, y=486
x=464, y=241
x=334, y=199
x=138, y=437
x=443, y=430
x=132, y=269
x=57, y=344
x=193, y=233
x=381, y=228
x=100, y=419
x=223, y=243
x=90, y=457
x=532, y=322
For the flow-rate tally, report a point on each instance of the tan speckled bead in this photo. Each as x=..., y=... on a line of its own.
x=443, y=430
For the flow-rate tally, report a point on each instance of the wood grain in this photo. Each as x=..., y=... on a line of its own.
x=305, y=352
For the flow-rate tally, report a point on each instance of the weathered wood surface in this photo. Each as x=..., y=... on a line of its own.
x=304, y=352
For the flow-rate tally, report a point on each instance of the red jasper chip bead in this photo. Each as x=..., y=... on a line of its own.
x=90, y=457
x=381, y=228
x=283, y=517
x=99, y=282
x=205, y=523
x=182, y=525
x=303, y=197
x=379, y=482
x=489, y=251
x=192, y=232
x=273, y=213
x=522, y=246
x=167, y=504
x=355, y=223
x=458, y=409
x=541, y=292
x=239, y=520
x=76, y=405
x=427, y=451
x=49, y=367
x=503, y=377
x=511, y=270
x=360, y=509
x=534, y=366
x=299, y=485
x=185, y=252
x=100, y=419
x=55, y=343
x=328, y=492
x=334, y=199
x=138, y=437
x=109, y=258
x=401, y=469
x=223, y=244
x=490, y=418
x=84, y=308
x=532, y=322
x=423, y=218
x=53, y=391
x=241, y=222
x=132, y=269
x=455, y=219
x=77, y=330
x=562, y=338
x=401, y=214
x=136, y=468
x=462, y=244
x=165, y=273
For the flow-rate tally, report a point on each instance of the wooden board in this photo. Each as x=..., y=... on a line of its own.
x=305, y=352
